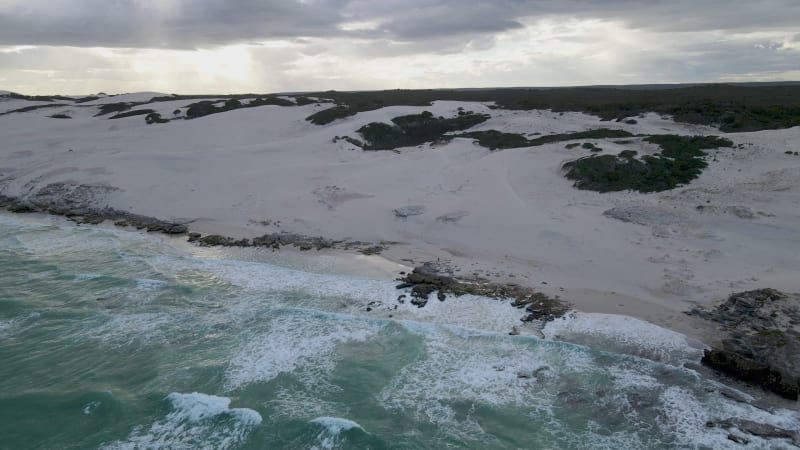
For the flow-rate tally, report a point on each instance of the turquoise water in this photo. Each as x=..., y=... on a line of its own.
x=118, y=340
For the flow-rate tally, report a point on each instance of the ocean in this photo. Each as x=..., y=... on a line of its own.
x=111, y=339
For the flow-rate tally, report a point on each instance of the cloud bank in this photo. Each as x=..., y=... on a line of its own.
x=223, y=45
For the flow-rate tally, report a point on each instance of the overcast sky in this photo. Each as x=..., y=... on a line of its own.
x=225, y=46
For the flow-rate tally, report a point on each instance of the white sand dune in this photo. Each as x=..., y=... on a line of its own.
x=508, y=215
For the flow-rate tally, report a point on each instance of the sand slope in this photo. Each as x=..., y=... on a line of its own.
x=508, y=215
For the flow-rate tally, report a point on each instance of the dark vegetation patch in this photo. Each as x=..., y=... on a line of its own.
x=207, y=107
x=154, y=117
x=109, y=108
x=38, y=98
x=34, y=108
x=60, y=116
x=729, y=107
x=302, y=101
x=90, y=98
x=494, y=139
x=138, y=112
x=679, y=162
x=415, y=129
x=590, y=146
x=337, y=112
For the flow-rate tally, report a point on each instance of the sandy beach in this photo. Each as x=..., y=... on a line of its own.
x=508, y=215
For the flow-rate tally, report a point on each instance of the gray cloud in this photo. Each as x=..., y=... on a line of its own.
x=81, y=46
x=205, y=23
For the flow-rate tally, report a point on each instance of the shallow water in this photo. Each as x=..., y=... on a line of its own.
x=111, y=339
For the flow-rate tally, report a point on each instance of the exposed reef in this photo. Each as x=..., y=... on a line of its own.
x=760, y=339
x=428, y=278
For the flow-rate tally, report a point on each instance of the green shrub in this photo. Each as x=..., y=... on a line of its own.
x=154, y=118
x=680, y=161
x=731, y=107
x=327, y=116
x=138, y=112
x=109, y=108
x=207, y=107
x=415, y=129
x=493, y=139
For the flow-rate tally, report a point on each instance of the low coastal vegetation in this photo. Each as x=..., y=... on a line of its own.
x=415, y=129
x=109, y=108
x=728, y=107
x=207, y=107
x=681, y=160
x=495, y=140
x=34, y=108
x=155, y=117
x=137, y=112
x=207, y=104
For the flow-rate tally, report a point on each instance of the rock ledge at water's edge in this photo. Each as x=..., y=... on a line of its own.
x=760, y=340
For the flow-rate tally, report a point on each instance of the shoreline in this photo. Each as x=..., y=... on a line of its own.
x=350, y=262
x=700, y=334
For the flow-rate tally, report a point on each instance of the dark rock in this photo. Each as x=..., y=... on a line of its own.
x=21, y=208
x=748, y=369
x=756, y=429
x=222, y=241
x=430, y=277
x=92, y=220
x=373, y=250
x=760, y=339
x=166, y=227
x=419, y=301
x=408, y=211
x=194, y=236
x=738, y=439
x=276, y=240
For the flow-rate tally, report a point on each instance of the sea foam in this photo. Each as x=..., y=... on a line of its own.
x=624, y=334
x=197, y=421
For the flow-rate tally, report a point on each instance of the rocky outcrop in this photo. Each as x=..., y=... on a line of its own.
x=273, y=240
x=429, y=278
x=408, y=211
x=755, y=429
x=78, y=203
x=760, y=339
x=82, y=212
